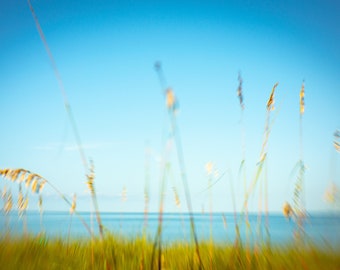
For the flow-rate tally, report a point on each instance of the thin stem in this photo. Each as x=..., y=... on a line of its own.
x=185, y=183
x=61, y=86
x=180, y=157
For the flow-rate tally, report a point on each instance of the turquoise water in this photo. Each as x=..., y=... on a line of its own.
x=321, y=229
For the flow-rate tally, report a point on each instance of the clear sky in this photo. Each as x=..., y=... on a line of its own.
x=105, y=52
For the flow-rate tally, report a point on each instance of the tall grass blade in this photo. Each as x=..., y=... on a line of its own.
x=172, y=108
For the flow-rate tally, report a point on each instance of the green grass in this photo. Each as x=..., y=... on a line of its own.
x=39, y=252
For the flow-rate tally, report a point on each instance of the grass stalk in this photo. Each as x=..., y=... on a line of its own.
x=172, y=107
x=158, y=239
x=69, y=113
x=263, y=153
x=299, y=191
x=90, y=185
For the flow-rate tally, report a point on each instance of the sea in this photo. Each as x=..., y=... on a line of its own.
x=322, y=229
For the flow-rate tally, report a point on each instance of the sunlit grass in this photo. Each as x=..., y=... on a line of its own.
x=39, y=252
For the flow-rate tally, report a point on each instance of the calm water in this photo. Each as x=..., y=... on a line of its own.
x=320, y=229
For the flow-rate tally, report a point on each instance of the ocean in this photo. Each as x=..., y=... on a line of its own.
x=320, y=229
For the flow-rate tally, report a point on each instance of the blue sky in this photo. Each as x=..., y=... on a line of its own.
x=105, y=52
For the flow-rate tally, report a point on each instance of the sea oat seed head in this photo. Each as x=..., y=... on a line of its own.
x=74, y=204
x=170, y=99
x=177, y=200
x=302, y=99
x=22, y=176
x=34, y=185
x=9, y=203
x=239, y=91
x=20, y=199
x=271, y=101
x=29, y=179
x=287, y=210
x=42, y=184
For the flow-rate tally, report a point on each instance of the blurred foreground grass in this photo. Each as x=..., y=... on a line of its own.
x=39, y=252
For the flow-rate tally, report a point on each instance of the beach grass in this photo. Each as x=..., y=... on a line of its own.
x=113, y=252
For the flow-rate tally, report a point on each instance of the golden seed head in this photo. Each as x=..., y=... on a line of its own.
x=34, y=185
x=25, y=204
x=22, y=176
x=74, y=204
x=287, y=210
x=3, y=172
x=177, y=200
x=336, y=146
x=20, y=200
x=29, y=179
x=7, y=173
x=271, y=101
x=90, y=184
x=42, y=184
x=170, y=99
x=14, y=175
x=90, y=179
x=9, y=203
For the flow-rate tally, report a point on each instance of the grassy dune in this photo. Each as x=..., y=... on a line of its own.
x=38, y=252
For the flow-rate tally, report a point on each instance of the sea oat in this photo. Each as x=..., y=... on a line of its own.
x=8, y=203
x=35, y=185
x=287, y=210
x=271, y=101
x=42, y=184
x=239, y=91
x=171, y=102
x=177, y=200
x=22, y=176
x=29, y=179
x=302, y=99
x=172, y=105
x=90, y=185
x=22, y=202
x=14, y=175
x=74, y=204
